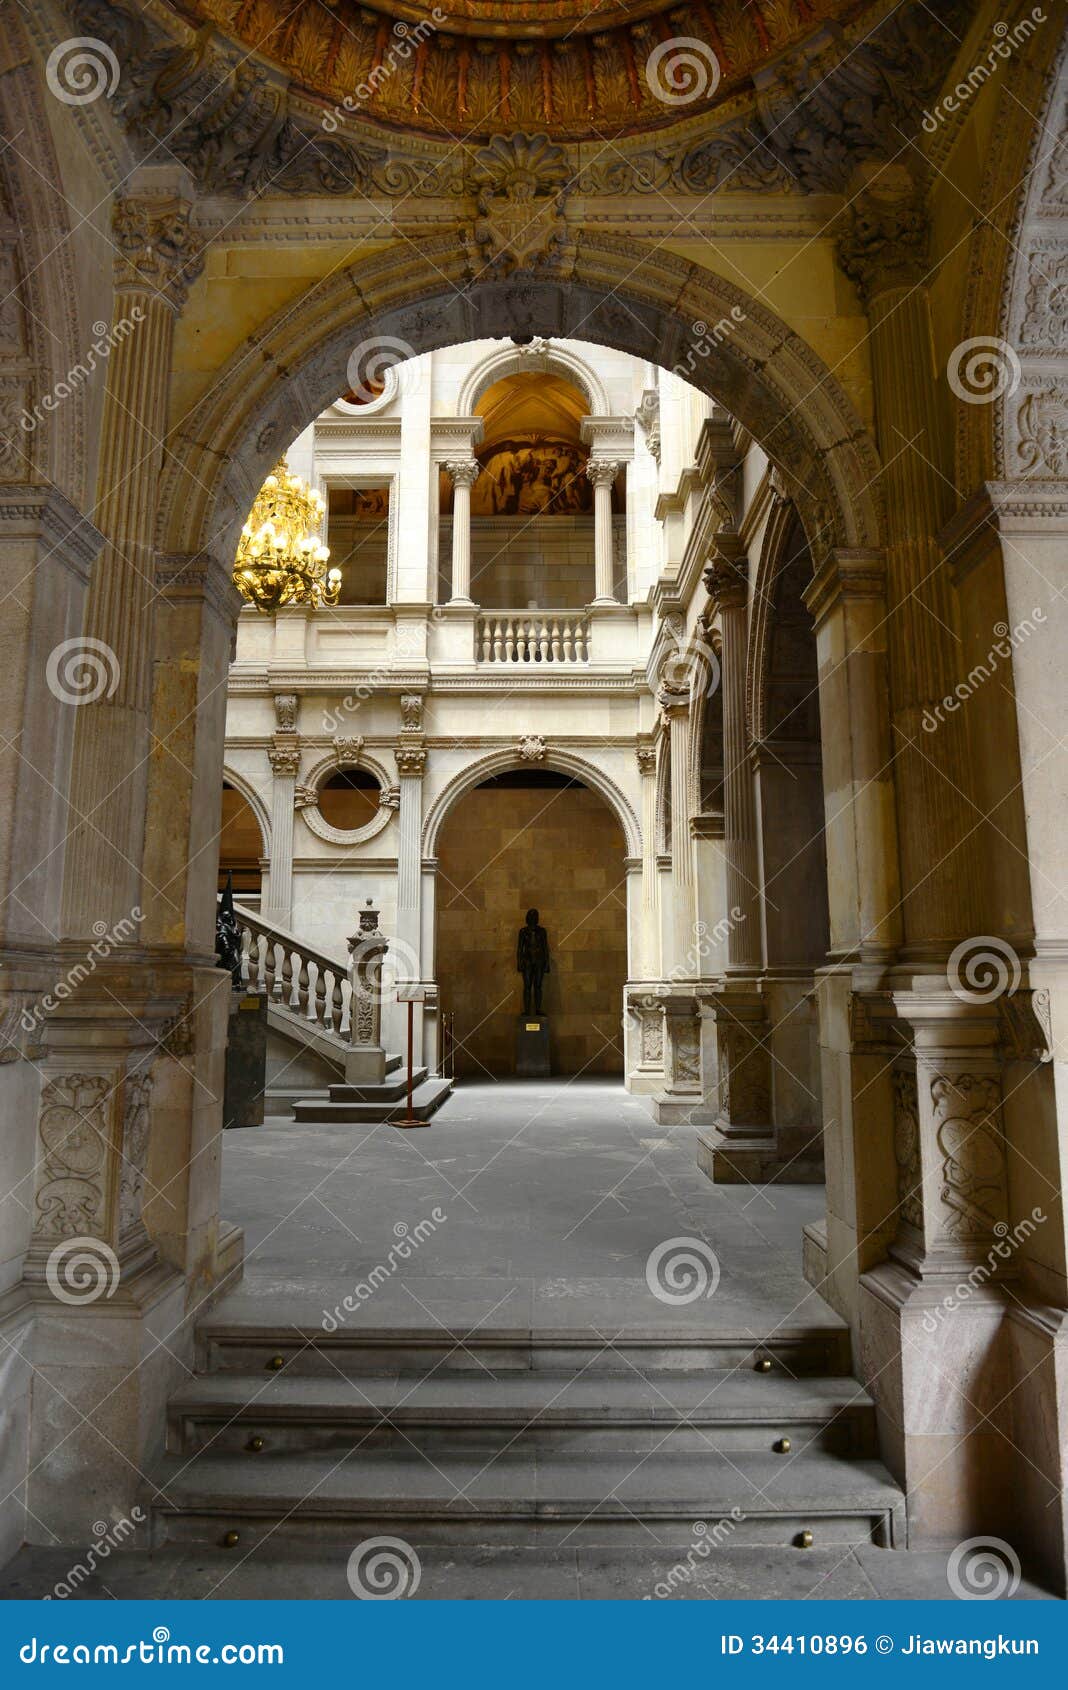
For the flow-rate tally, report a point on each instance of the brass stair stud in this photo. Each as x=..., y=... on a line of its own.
x=783, y=1447
x=276, y=1362
x=231, y=1540
x=255, y=1444
x=803, y=1540
x=764, y=1365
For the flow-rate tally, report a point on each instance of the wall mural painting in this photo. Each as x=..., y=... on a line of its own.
x=527, y=476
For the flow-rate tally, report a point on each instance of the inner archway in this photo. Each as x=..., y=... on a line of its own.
x=532, y=839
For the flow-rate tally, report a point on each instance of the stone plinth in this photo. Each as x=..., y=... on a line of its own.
x=532, y=1046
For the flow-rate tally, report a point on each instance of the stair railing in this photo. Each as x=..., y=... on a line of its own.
x=305, y=981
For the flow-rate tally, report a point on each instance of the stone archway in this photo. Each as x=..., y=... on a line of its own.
x=394, y=305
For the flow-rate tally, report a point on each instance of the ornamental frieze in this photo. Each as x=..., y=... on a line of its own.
x=243, y=126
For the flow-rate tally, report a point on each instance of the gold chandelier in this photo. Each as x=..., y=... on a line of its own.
x=280, y=557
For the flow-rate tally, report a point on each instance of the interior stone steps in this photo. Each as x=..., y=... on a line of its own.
x=728, y=1410
x=248, y=1346
x=527, y=1497
x=388, y=1102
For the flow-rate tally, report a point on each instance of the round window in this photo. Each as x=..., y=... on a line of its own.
x=349, y=799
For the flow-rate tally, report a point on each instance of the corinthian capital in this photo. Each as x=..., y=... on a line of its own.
x=158, y=250
x=882, y=236
x=464, y=472
x=726, y=574
x=602, y=471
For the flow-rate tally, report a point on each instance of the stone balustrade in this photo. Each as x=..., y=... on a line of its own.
x=539, y=636
x=285, y=969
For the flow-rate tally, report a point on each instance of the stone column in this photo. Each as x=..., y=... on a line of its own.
x=411, y=766
x=283, y=754
x=936, y=1340
x=740, y=1146
x=674, y=700
x=159, y=255
x=464, y=473
x=883, y=248
x=726, y=580
x=602, y=472
x=195, y=615
x=649, y=948
x=365, y=1063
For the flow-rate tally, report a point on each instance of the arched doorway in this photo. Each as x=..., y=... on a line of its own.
x=241, y=845
x=532, y=839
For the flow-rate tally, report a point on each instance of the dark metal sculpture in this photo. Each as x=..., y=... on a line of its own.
x=532, y=962
x=227, y=932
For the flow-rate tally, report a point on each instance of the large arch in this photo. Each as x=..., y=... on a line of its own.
x=507, y=761
x=295, y=365
x=558, y=360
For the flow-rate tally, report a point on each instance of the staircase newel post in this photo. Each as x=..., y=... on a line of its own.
x=366, y=1061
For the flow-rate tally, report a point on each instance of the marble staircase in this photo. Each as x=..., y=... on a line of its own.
x=519, y=1437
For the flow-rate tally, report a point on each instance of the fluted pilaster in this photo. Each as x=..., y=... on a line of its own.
x=883, y=247
x=726, y=580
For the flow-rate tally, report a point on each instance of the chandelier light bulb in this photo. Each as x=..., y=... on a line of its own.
x=281, y=558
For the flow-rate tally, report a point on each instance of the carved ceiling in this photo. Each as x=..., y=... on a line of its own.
x=571, y=69
x=801, y=92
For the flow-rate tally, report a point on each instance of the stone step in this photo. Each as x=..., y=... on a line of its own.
x=538, y=1497
x=389, y=1104
x=598, y=1412
x=248, y=1346
x=391, y=1089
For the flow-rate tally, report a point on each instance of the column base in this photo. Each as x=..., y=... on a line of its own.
x=365, y=1065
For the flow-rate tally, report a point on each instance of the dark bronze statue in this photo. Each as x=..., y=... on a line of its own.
x=532, y=962
x=227, y=933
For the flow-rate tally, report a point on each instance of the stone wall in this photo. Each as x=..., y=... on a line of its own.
x=504, y=849
x=519, y=561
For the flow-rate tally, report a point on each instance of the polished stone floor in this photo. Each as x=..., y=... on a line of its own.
x=553, y=1196
x=528, y=1209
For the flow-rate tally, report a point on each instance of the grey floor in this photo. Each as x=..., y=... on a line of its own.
x=538, y=1205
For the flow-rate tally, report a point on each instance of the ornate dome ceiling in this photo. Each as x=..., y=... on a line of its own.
x=571, y=69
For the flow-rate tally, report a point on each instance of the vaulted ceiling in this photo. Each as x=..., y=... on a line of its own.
x=569, y=68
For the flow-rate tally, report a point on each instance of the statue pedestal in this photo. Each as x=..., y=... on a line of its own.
x=246, y=1061
x=532, y=1046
